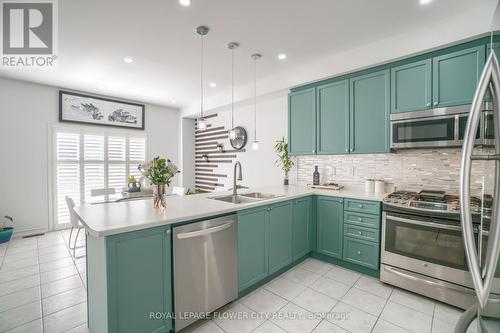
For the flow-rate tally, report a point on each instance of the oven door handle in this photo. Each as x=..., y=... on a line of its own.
x=425, y=224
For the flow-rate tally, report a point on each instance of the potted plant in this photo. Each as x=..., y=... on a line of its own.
x=133, y=184
x=159, y=172
x=6, y=232
x=220, y=147
x=281, y=149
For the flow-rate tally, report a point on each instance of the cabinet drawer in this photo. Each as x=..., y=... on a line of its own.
x=363, y=220
x=361, y=252
x=363, y=233
x=370, y=207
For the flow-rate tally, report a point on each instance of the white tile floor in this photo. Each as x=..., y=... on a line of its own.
x=42, y=289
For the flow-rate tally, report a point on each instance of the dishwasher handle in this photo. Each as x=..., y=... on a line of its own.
x=204, y=232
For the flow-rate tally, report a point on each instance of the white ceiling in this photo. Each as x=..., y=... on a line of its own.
x=95, y=35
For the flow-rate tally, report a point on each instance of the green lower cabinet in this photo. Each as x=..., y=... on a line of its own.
x=280, y=236
x=330, y=216
x=369, y=113
x=411, y=87
x=361, y=252
x=301, y=227
x=455, y=76
x=252, y=246
x=140, y=282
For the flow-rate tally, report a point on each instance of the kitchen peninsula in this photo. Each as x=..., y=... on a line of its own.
x=129, y=246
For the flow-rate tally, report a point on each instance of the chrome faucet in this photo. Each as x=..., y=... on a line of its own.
x=235, y=186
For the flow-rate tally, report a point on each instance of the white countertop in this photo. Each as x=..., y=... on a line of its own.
x=114, y=218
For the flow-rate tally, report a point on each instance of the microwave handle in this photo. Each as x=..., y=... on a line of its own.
x=490, y=75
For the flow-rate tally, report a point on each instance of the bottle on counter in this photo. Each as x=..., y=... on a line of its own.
x=316, y=176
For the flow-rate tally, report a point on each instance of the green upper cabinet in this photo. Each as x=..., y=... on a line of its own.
x=302, y=122
x=455, y=76
x=252, y=246
x=280, y=236
x=330, y=217
x=369, y=116
x=333, y=118
x=411, y=87
x=139, y=286
x=301, y=227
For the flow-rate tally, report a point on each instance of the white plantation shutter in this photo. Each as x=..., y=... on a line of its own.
x=86, y=161
x=67, y=173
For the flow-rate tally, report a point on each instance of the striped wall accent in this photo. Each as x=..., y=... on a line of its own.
x=208, y=158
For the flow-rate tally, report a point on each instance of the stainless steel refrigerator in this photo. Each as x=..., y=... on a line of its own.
x=483, y=246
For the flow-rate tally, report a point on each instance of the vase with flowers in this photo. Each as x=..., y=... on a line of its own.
x=159, y=172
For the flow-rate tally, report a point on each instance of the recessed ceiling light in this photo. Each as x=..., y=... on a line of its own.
x=282, y=56
x=213, y=84
x=423, y=2
x=185, y=2
x=128, y=60
x=172, y=101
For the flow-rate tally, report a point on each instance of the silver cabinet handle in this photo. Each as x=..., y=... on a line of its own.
x=347, y=149
x=360, y=206
x=360, y=219
x=489, y=77
x=204, y=232
x=436, y=103
x=167, y=231
x=360, y=233
x=359, y=253
x=428, y=104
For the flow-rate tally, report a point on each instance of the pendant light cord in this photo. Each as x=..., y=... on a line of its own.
x=232, y=88
x=201, y=81
x=255, y=100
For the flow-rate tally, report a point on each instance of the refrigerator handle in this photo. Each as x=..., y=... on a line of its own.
x=489, y=77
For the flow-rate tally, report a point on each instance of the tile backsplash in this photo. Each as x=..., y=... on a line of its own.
x=411, y=169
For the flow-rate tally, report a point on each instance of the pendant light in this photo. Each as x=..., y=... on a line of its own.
x=202, y=122
x=232, y=46
x=255, y=143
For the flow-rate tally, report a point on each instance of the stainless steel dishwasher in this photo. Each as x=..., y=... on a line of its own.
x=205, y=267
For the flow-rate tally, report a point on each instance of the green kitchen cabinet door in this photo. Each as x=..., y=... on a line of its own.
x=333, y=118
x=411, y=87
x=139, y=266
x=280, y=236
x=302, y=210
x=455, y=76
x=252, y=246
x=369, y=116
x=330, y=214
x=302, y=122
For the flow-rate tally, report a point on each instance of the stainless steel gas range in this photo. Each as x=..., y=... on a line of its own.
x=423, y=249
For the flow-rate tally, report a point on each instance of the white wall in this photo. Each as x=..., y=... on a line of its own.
x=187, y=152
x=259, y=169
x=26, y=111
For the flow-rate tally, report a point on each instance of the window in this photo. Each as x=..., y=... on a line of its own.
x=86, y=161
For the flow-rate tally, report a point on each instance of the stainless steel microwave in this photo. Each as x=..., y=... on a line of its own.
x=444, y=127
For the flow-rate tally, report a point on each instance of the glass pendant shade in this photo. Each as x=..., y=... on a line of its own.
x=232, y=134
x=202, y=124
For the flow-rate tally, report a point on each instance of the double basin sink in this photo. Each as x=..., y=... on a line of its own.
x=246, y=197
